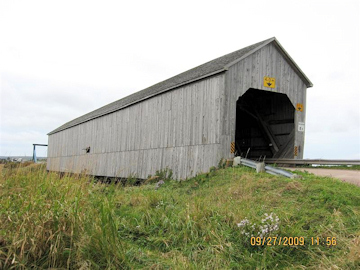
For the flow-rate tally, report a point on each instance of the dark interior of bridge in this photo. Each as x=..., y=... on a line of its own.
x=264, y=125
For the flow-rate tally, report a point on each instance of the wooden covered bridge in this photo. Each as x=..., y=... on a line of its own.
x=251, y=101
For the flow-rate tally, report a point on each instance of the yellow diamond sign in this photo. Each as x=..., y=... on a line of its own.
x=269, y=82
x=299, y=107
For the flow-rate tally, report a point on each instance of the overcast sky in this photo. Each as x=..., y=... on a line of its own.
x=62, y=59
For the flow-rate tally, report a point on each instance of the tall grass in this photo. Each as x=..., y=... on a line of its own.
x=48, y=221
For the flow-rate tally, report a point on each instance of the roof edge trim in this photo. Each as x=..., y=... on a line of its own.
x=287, y=56
x=250, y=52
x=293, y=64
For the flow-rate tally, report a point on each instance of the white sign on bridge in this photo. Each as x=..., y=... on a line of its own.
x=301, y=126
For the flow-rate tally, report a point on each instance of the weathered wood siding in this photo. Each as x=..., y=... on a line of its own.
x=249, y=73
x=179, y=129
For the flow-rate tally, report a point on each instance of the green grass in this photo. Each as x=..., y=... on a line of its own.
x=47, y=221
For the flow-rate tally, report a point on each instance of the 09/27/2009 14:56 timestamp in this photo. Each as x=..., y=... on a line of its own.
x=292, y=241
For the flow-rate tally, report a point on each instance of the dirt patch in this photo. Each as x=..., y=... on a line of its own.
x=296, y=186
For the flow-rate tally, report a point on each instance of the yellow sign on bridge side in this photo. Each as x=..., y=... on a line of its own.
x=269, y=82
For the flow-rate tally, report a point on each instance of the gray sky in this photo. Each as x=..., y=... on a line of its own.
x=62, y=59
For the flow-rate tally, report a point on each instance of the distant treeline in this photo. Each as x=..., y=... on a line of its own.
x=4, y=159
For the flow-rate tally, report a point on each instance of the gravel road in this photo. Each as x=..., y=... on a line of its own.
x=349, y=176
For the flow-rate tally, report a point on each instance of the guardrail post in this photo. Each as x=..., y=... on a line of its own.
x=236, y=161
x=260, y=167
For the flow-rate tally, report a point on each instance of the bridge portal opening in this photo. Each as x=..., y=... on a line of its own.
x=264, y=125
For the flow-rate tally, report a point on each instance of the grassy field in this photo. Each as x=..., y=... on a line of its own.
x=48, y=221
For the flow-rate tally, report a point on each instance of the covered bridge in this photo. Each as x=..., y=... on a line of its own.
x=249, y=102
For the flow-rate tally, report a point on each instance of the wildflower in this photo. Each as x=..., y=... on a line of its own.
x=243, y=223
x=269, y=224
x=160, y=203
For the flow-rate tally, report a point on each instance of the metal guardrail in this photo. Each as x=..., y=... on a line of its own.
x=248, y=162
x=276, y=171
x=313, y=161
x=262, y=167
